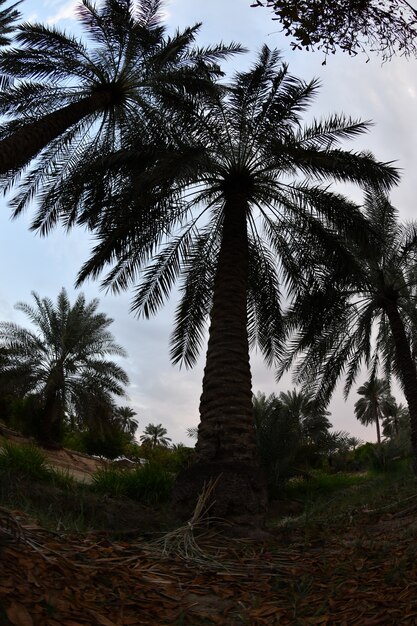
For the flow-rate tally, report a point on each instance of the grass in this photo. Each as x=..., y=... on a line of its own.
x=331, y=500
x=150, y=484
x=29, y=484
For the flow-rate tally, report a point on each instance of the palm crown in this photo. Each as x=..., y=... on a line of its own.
x=71, y=96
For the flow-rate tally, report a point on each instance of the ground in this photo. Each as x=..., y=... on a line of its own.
x=362, y=572
x=345, y=558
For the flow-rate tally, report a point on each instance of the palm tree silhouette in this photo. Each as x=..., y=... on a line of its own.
x=375, y=404
x=375, y=294
x=155, y=435
x=71, y=96
x=64, y=359
x=218, y=209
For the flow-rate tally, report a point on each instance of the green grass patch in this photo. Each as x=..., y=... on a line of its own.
x=150, y=484
x=322, y=483
x=338, y=500
x=27, y=461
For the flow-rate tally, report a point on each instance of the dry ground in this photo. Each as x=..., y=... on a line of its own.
x=361, y=571
x=361, y=574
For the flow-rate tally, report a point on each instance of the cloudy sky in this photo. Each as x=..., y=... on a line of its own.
x=384, y=93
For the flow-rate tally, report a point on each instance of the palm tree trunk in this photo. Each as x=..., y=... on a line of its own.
x=226, y=445
x=226, y=431
x=407, y=368
x=378, y=430
x=20, y=147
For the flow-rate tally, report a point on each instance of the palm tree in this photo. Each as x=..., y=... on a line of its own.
x=155, y=435
x=375, y=403
x=395, y=419
x=71, y=97
x=218, y=209
x=64, y=358
x=124, y=417
x=343, y=308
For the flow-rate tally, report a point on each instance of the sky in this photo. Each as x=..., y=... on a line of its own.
x=385, y=93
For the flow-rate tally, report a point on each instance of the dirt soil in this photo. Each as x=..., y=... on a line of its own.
x=362, y=575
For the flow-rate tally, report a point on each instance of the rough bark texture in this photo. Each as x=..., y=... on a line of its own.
x=226, y=436
x=20, y=147
x=226, y=431
x=407, y=369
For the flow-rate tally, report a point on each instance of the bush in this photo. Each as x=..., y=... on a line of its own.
x=150, y=484
x=25, y=460
x=111, y=444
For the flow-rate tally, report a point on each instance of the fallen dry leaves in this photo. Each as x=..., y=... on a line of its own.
x=362, y=576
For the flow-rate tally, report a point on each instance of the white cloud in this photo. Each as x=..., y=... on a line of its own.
x=66, y=12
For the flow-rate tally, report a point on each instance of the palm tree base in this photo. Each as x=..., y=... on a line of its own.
x=240, y=496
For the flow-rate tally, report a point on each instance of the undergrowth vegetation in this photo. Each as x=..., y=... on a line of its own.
x=150, y=484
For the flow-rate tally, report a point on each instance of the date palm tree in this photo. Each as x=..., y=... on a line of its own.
x=64, y=359
x=124, y=416
x=375, y=404
x=155, y=435
x=73, y=94
x=395, y=419
x=375, y=296
x=224, y=209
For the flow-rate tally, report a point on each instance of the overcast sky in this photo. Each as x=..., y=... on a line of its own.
x=160, y=393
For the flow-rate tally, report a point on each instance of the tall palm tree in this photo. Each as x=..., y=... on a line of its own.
x=155, y=435
x=71, y=96
x=222, y=209
x=376, y=403
x=335, y=320
x=64, y=358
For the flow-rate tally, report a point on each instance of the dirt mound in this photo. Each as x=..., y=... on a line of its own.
x=78, y=465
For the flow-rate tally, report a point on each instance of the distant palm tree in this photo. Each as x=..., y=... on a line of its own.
x=222, y=210
x=155, y=435
x=376, y=402
x=395, y=419
x=124, y=417
x=71, y=96
x=192, y=432
x=64, y=359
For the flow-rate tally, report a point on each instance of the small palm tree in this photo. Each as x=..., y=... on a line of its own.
x=222, y=210
x=124, y=417
x=155, y=435
x=64, y=359
x=375, y=403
